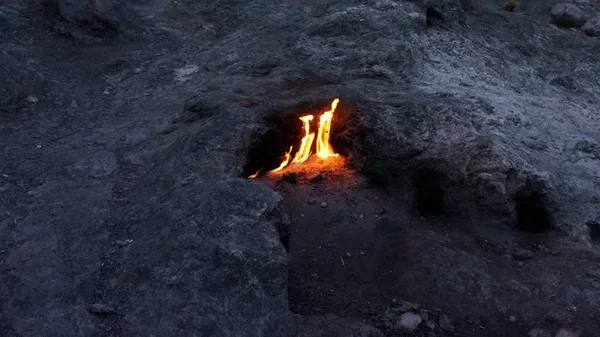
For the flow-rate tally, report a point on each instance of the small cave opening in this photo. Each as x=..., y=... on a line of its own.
x=429, y=194
x=594, y=228
x=286, y=131
x=268, y=151
x=532, y=212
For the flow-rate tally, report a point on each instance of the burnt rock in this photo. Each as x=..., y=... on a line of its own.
x=567, y=15
x=592, y=26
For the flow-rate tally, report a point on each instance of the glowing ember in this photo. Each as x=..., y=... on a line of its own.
x=285, y=161
x=304, y=151
x=324, y=148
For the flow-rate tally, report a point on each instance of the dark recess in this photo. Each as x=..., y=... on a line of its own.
x=429, y=194
x=532, y=213
x=268, y=152
x=594, y=231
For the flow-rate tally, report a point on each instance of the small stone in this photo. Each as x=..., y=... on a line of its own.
x=32, y=99
x=522, y=255
x=512, y=319
x=38, y=146
x=74, y=105
x=316, y=178
x=315, y=276
x=430, y=324
x=291, y=177
x=323, y=204
x=445, y=324
x=555, y=252
x=101, y=308
x=409, y=321
x=520, y=264
x=348, y=254
x=363, y=253
x=138, y=70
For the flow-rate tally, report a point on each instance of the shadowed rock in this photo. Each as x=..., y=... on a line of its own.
x=592, y=26
x=567, y=15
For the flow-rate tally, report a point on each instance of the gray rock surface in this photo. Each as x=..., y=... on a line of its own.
x=474, y=105
x=592, y=26
x=567, y=15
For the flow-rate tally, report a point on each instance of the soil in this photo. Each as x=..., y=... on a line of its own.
x=358, y=248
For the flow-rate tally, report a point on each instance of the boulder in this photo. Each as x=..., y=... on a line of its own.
x=592, y=26
x=567, y=15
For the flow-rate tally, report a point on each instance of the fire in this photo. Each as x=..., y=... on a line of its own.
x=285, y=161
x=323, y=147
x=252, y=176
x=306, y=143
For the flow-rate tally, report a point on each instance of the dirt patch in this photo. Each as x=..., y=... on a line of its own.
x=357, y=249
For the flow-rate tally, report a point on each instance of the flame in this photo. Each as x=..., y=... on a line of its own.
x=304, y=151
x=324, y=149
x=252, y=176
x=285, y=161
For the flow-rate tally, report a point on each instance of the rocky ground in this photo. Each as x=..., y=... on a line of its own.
x=466, y=203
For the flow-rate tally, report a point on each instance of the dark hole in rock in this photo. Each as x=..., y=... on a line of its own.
x=532, y=212
x=285, y=129
x=433, y=16
x=594, y=231
x=429, y=194
x=268, y=152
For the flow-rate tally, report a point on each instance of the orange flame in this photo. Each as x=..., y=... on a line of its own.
x=252, y=176
x=324, y=149
x=304, y=151
x=285, y=161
